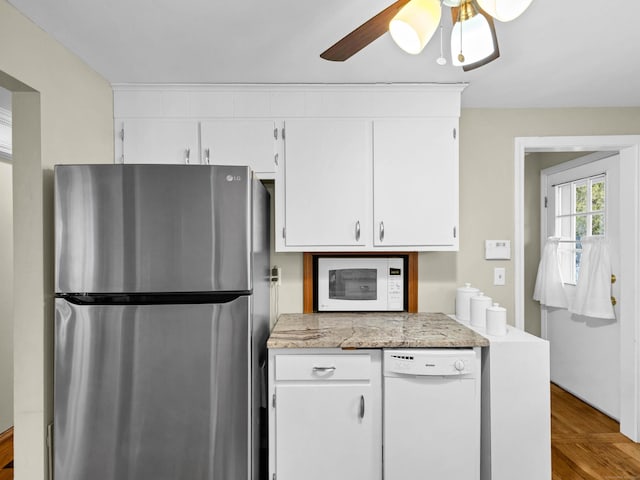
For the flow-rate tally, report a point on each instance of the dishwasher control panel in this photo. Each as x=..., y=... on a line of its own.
x=428, y=362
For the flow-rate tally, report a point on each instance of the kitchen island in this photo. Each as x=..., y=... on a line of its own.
x=315, y=407
x=372, y=330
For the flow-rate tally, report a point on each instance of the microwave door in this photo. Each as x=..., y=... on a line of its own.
x=354, y=284
x=352, y=288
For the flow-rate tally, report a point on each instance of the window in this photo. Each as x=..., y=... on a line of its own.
x=580, y=211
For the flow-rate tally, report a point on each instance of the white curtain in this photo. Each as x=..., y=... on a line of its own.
x=593, y=290
x=549, y=289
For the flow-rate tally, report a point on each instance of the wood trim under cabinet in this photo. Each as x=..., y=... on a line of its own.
x=6, y=447
x=308, y=280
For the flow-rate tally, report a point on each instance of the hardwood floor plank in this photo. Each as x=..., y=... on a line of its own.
x=562, y=469
x=588, y=445
x=610, y=438
x=570, y=414
x=630, y=449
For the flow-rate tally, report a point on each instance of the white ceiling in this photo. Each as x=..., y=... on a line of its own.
x=559, y=53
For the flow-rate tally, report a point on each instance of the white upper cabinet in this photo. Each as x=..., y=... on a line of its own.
x=356, y=167
x=157, y=141
x=240, y=142
x=326, y=181
x=415, y=182
x=359, y=185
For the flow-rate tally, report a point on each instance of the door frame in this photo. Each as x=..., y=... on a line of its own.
x=628, y=147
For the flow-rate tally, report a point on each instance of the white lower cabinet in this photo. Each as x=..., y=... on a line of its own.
x=325, y=416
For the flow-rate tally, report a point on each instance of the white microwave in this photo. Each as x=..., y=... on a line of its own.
x=349, y=284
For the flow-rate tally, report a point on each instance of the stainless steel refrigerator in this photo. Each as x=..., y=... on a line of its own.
x=162, y=315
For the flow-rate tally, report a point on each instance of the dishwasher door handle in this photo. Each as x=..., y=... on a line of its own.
x=361, y=407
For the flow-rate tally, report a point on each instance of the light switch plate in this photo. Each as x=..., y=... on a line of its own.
x=497, y=250
x=499, y=274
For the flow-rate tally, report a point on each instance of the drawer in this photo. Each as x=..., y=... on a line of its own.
x=323, y=367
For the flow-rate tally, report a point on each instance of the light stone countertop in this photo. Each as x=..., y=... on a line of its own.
x=371, y=330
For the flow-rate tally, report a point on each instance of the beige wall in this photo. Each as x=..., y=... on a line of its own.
x=62, y=113
x=486, y=202
x=6, y=298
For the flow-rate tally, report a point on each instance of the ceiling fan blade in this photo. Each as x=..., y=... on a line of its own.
x=496, y=52
x=362, y=36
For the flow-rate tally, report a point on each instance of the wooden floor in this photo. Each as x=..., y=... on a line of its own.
x=588, y=445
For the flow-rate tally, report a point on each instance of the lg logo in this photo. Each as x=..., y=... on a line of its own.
x=233, y=178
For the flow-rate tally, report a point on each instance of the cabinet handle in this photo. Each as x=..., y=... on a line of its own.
x=275, y=157
x=187, y=154
x=358, y=230
x=324, y=369
x=207, y=153
x=381, y=231
x=361, y=407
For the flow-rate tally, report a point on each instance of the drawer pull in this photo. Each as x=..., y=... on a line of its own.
x=361, y=407
x=324, y=369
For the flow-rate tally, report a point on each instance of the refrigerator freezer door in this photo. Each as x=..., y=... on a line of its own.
x=152, y=392
x=152, y=228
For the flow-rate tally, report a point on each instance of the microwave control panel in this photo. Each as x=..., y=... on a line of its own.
x=395, y=285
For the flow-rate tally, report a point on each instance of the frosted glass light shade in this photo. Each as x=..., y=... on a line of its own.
x=477, y=40
x=504, y=10
x=414, y=25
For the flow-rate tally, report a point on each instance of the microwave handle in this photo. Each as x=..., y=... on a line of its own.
x=357, y=230
x=382, y=231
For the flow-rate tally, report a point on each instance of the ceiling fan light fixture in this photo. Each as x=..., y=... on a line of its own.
x=504, y=10
x=473, y=42
x=414, y=25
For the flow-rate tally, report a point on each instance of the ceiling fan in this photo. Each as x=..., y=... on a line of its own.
x=412, y=23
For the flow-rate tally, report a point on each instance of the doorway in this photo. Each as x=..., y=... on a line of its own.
x=628, y=147
x=582, y=199
x=6, y=267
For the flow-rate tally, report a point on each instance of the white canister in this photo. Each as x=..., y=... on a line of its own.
x=479, y=305
x=463, y=296
x=496, y=320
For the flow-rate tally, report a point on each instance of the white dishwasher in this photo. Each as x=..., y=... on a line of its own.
x=431, y=408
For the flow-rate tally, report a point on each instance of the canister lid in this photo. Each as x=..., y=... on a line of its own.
x=468, y=289
x=496, y=308
x=481, y=297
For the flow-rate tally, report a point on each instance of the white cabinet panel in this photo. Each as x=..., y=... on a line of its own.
x=239, y=142
x=325, y=431
x=325, y=425
x=415, y=172
x=159, y=141
x=327, y=182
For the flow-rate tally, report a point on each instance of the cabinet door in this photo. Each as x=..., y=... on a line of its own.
x=239, y=142
x=159, y=141
x=326, y=431
x=415, y=171
x=327, y=182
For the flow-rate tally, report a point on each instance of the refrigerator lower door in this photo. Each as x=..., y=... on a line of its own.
x=152, y=392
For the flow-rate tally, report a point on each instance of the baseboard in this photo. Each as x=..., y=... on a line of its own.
x=6, y=447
